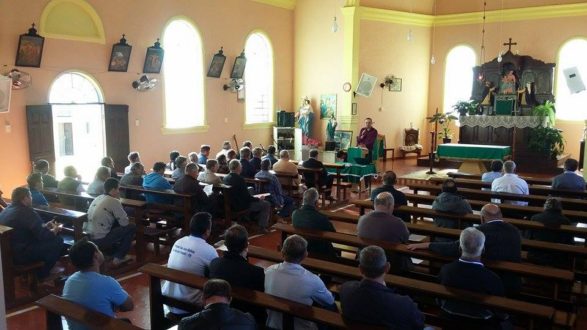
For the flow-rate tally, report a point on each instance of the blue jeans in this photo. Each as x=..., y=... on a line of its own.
x=120, y=236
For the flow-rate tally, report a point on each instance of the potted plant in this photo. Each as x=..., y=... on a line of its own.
x=548, y=141
x=444, y=120
x=546, y=112
x=466, y=107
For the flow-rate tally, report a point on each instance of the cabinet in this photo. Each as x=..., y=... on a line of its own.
x=290, y=139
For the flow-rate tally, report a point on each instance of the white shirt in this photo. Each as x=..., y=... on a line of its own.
x=102, y=213
x=209, y=177
x=294, y=282
x=510, y=183
x=193, y=255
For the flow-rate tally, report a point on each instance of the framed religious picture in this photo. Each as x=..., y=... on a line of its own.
x=327, y=106
x=154, y=58
x=366, y=85
x=343, y=139
x=120, y=56
x=30, y=49
x=354, y=109
x=238, y=69
x=217, y=64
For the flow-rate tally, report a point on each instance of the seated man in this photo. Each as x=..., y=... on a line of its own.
x=133, y=157
x=180, y=164
x=31, y=240
x=502, y=242
x=42, y=166
x=35, y=183
x=283, y=165
x=552, y=217
x=91, y=289
x=370, y=301
x=225, y=148
x=222, y=164
x=451, y=202
x=217, y=313
x=271, y=155
x=382, y=225
x=308, y=217
x=313, y=162
x=209, y=175
x=204, y=154
x=248, y=170
x=496, y=167
x=96, y=187
x=188, y=184
x=172, y=157
x=134, y=178
x=256, y=160
x=191, y=254
x=468, y=273
x=193, y=157
x=3, y=204
x=510, y=183
x=108, y=224
x=389, y=180
x=241, y=199
x=109, y=162
x=155, y=180
x=71, y=184
x=277, y=197
x=569, y=179
x=234, y=267
x=292, y=281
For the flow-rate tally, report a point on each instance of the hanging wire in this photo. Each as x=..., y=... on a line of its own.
x=432, y=58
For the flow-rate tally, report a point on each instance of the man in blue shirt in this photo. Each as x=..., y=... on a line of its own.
x=91, y=289
x=204, y=153
x=155, y=180
x=273, y=187
x=569, y=179
x=248, y=171
x=35, y=182
x=496, y=167
x=271, y=155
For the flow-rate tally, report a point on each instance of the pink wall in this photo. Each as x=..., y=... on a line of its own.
x=221, y=23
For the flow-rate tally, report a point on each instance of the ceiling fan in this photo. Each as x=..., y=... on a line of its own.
x=144, y=83
x=20, y=79
x=234, y=85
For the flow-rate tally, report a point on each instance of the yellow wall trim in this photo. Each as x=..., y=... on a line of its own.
x=187, y=130
x=71, y=20
x=286, y=4
x=494, y=16
x=397, y=17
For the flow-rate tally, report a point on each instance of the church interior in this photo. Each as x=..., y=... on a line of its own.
x=85, y=79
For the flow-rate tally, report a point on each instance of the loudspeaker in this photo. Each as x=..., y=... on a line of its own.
x=5, y=92
x=285, y=119
x=574, y=81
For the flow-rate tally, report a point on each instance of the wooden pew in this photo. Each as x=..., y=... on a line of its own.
x=533, y=312
x=533, y=188
x=487, y=195
x=528, y=179
x=291, y=188
x=10, y=271
x=56, y=306
x=317, y=173
x=290, y=309
x=574, y=251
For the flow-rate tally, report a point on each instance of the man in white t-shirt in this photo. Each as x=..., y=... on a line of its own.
x=510, y=183
x=191, y=254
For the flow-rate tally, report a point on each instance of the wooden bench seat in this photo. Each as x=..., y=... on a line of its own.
x=290, y=309
x=534, y=312
x=528, y=179
x=56, y=307
x=316, y=173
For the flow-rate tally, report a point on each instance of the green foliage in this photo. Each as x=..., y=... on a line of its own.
x=466, y=107
x=545, y=110
x=547, y=140
x=444, y=120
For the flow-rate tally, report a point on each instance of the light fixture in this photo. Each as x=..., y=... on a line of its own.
x=482, y=59
x=409, y=36
x=499, y=57
x=432, y=58
x=334, y=27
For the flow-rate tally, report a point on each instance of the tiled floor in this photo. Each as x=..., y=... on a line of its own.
x=136, y=284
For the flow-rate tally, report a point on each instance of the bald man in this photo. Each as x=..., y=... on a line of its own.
x=502, y=242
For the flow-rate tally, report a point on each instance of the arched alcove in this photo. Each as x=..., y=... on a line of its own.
x=71, y=20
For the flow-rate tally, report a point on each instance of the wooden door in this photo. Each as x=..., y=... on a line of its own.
x=40, y=133
x=117, y=136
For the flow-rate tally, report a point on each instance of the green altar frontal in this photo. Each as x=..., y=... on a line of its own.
x=473, y=151
x=354, y=172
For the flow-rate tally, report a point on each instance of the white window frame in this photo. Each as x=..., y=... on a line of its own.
x=271, y=102
x=448, y=107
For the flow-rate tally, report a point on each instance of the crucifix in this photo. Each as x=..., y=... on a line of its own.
x=510, y=44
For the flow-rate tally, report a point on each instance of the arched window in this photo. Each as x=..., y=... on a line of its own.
x=183, y=73
x=258, y=79
x=458, y=76
x=74, y=87
x=573, y=54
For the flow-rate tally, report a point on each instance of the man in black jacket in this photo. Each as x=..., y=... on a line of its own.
x=31, y=240
x=188, y=184
x=502, y=242
x=313, y=162
x=217, y=314
x=241, y=199
x=234, y=268
x=389, y=179
x=308, y=217
x=371, y=301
